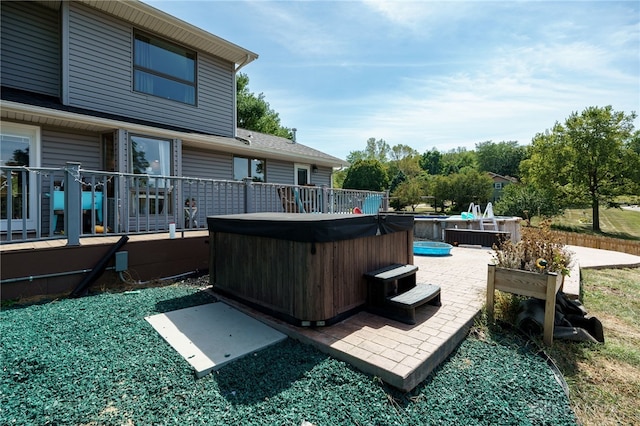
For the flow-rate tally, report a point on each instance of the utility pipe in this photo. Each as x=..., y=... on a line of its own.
x=31, y=278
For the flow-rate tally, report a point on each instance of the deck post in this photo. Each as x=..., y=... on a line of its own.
x=550, y=308
x=249, y=206
x=72, y=204
x=324, y=199
x=491, y=290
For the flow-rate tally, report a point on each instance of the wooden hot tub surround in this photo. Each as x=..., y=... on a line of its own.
x=304, y=268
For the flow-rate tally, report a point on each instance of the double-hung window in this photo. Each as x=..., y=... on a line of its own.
x=164, y=69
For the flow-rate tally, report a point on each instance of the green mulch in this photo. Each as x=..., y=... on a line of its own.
x=96, y=361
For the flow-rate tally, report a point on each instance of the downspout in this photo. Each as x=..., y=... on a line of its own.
x=235, y=94
x=246, y=61
x=64, y=66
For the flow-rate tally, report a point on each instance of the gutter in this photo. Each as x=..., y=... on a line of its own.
x=245, y=62
x=235, y=93
x=152, y=19
x=222, y=143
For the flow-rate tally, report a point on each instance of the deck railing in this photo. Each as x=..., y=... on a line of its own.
x=70, y=202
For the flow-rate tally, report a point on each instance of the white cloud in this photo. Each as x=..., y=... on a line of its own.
x=291, y=26
x=516, y=94
x=433, y=73
x=420, y=17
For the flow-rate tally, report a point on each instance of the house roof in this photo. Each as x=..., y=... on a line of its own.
x=149, y=18
x=41, y=109
x=272, y=144
x=496, y=176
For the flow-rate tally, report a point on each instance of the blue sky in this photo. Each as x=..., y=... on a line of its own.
x=429, y=74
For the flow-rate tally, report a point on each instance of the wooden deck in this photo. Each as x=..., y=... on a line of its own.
x=51, y=268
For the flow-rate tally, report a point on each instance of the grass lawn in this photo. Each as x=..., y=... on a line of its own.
x=616, y=223
x=96, y=361
x=605, y=379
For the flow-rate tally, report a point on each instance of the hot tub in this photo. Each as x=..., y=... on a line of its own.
x=431, y=248
x=306, y=269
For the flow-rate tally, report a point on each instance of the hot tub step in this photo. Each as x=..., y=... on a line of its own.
x=403, y=306
x=419, y=295
x=392, y=292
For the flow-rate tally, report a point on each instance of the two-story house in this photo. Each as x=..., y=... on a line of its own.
x=122, y=87
x=499, y=183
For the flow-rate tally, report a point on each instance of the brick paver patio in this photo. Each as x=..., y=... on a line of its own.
x=400, y=354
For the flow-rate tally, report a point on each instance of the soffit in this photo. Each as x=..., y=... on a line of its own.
x=15, y=111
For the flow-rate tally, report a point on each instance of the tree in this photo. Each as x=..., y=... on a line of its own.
x=632, y=159
x=338, y=178
x=584, y=159
x=430, y=161
x=403, y=166
x=254, y=113
x=440, y=188
x=375, y=150
x=398, y=178
x=502, y=158
x=400, y=161
x=457, y=159
x=469, y=186
x=400, y=152
x=526, y=201
x=367, y=175
x=408, y=193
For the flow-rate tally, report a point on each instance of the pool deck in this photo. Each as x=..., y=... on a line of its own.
x=404, y=355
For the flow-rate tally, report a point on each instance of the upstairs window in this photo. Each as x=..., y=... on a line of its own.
x=164, y=69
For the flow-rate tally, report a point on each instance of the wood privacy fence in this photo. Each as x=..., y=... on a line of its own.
x=599, y=242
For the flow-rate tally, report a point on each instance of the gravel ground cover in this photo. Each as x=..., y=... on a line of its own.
x=96, y=361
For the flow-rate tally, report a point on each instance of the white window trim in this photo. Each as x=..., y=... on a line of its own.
x=33, y=133
x=297, y=166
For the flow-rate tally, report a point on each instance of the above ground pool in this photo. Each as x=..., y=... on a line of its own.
x=431, y=248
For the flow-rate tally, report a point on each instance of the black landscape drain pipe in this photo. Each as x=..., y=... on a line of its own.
x=82, y=288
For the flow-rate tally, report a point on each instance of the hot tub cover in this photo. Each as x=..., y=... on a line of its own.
x=314, y=228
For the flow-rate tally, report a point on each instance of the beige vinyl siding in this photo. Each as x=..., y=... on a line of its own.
x=58, y=146
x=101, y=73
x=282, y=172
x=221, y=198
x=62, y=145
x=322, y=177
x=206, y=164
x=279, y=172
x=30, y=47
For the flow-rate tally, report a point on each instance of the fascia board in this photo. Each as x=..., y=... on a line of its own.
x=220, y=143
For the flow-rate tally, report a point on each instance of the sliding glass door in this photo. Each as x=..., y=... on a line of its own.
x=19, y=146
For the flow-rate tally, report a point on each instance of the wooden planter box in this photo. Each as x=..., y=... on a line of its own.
x=530, y=284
